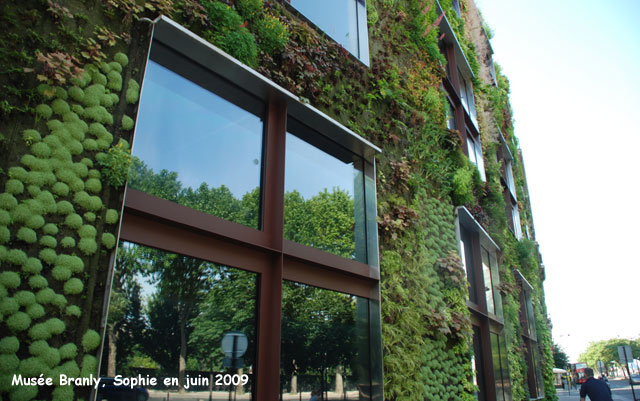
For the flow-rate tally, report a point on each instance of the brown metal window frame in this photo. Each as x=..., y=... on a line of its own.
x=456, y=61
x=487, y=323
x=162, y=224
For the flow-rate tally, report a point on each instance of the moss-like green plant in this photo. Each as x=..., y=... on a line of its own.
x=44, y=111
x=38, y=281
x=27, y=235
x=45, y=296
x=31, y=136
x=107, y=100
x=71, y=261
x=89, y=365
x=68, y=351
x=73, y=310
x=34, y=190
x=68, y=242
x=35, y=311
x=114, y=81
x=7, y=201
x=62, y=154
x=9, y=306
x=73, y=220
x=92, y=95
x=10, y=279
x=47, y=255
x=88, y=246
x=133, y=92
x=121, y=59
x=60, y=189
x=60, y=93
x=25, y=298
x=51, y=357
x=9, y=345
x=33, y=367
x=108, y=240
x=41, y=149
x=53, y=142
x=56, y=326
x=14, y=187
x=111, y=216
x=90, y=144
x=62, y=393
x=21, y=213
x=99, y=114
x=89, y=216
x=90, y=340
x=38, y=348
x=47, y=200
x=76, y=93
x=60, y=107
x=61, y=273
x=127, y=123
x=48, y=241
x=65, y=207
x=18, y=173
x=87, y=231
x=75, y=147
x=9, y=363
x=17, y=257
x=59, y=300
x=79, y=110
x=80, y=169
x=50, y=229
x=73, y=286
x=5, y=235
x=19, y=321
x=82, y=80
x=23, y=393
x=32, y=265
x=35, y=222
x=93, y=185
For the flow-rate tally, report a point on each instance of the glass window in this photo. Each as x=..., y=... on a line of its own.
x=451, y=116
x=510, y=182
x=500, y=367
x=515, y=216
x=324, y=194
x=476, y=365
x=325, y=344
x=456, y=6
x=474, y=149
x=531, y=323
x=466, y=247
x=345, y=21
x=488, y=282
x=195, y=148
x=167, y=316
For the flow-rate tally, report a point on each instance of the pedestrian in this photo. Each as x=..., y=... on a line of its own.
x=597, y=390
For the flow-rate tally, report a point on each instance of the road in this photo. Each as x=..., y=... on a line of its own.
x=620, y=389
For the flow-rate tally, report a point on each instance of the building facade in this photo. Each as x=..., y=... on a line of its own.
x=264, y=200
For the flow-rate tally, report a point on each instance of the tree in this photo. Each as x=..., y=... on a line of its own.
x=560, y=358
x=607, y=351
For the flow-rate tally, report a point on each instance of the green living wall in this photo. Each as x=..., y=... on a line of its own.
x=69, y=77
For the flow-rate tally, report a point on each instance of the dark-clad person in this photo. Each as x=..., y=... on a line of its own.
x=597, y=390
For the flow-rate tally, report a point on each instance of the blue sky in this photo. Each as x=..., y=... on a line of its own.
x=574, y=71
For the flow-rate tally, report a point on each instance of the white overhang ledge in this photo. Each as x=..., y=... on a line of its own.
x=464, y=218
x=183, y=41
x=451, y=39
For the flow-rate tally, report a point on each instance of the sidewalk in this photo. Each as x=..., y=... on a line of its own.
x=563, y=395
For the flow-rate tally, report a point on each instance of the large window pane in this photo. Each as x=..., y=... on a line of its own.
x=488, y=283
x=337, y=18
x=500, y=367
x=477, y=365
x=324, y=195
x=167, y=316
x=325, y=344
x=468, y=262
x=194, y=147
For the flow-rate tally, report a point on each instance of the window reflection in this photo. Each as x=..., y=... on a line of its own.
x=325, y=344
x=337, y=18
x=195, y=148
x=324, y=195
x=167, y=316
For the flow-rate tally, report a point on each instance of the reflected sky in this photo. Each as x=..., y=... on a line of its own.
x=337, y=18
x=309, y=170
x=185, y=128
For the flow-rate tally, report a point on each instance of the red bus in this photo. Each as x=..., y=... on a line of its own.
x=577, y=370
